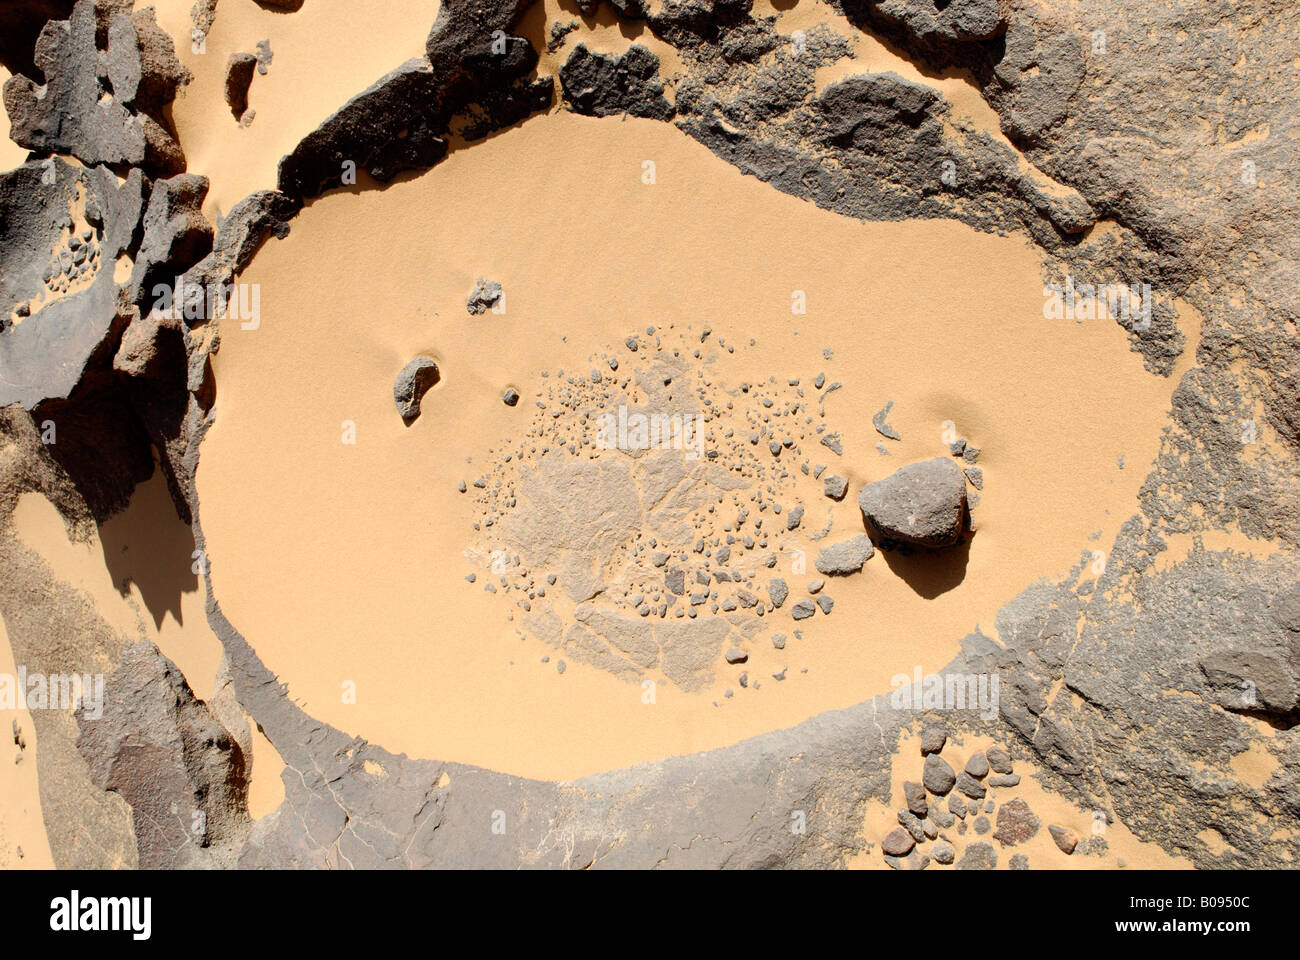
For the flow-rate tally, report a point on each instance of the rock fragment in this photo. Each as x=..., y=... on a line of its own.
x=411, y=385
x=845, y=558
x=1066, y=839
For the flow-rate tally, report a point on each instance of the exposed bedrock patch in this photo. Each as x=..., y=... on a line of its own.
x=181, y=771
x=599, y=85
x=109, y=77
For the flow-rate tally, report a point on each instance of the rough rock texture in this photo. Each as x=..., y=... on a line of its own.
x=922, y=503
x=599, y=85
x=109, y=77
x=239, y=77
x=410, y=386
x=175, y=764
x=841, y=559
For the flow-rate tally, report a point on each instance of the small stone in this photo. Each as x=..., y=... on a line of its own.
x=815, y=585
x=943, y=818
x=957, y=805
x=778, y=641
x=794, y=518
x=1020, y=862
x=835, y=487
x=736, y=655
x=826, y=603
x=930, y=829
x=914, y=793
x=982, y=825
x=942, y=853
x=978, y=766
x=411, y=384
x=1065, y=838
x=777, y=591
x=938, y=776
x=1004, y=780
x=485, y=296
x=999, y=760
x=933, y=739
x=970, y=786
x=803, y=610
x=898, y=842
x=561, y=666
x=922, y=503
x=510, y=397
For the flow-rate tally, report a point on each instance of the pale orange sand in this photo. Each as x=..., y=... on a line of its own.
x=343, y=564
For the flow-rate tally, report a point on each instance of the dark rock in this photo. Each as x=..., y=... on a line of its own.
x=938, y=777
x=943, y=853
x=835, y=487
x=914, y=793
x=82, y=58
x=411, y=385
x=239, y=77
x=736, y=655
x=600, y=85
x=978, y=765
x=999, y=760
x=933, y=739
x=923, y=503
x=1004, y=780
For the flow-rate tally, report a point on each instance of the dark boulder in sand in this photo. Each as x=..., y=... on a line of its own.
x=922, y=503
x=411, y=385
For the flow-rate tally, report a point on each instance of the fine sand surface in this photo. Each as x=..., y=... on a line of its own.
x=345, y=564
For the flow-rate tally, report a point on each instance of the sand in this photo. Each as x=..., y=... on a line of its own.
x=344, y=564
